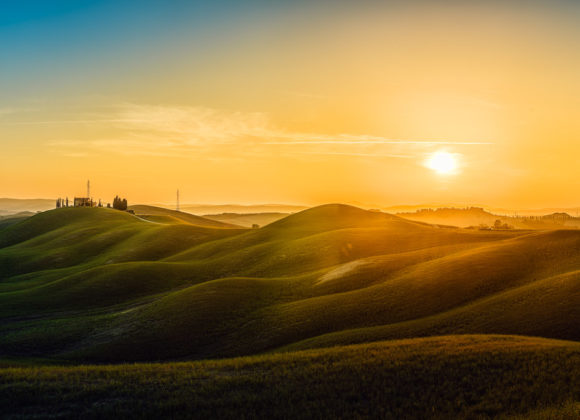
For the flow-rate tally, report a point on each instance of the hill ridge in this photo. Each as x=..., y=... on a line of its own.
x=145, y=211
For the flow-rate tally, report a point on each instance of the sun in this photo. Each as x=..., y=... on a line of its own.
x=442, y=162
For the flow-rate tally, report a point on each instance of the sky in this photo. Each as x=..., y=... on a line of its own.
x=304, y=102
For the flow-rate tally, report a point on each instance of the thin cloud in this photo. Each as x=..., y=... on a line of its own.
x=7, y=111
x=63, y=122
x=388, y=155
x=76, y=154
x=299, y=94
x=395, y=142
x=180, y=131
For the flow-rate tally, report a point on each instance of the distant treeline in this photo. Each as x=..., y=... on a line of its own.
x=118, y=203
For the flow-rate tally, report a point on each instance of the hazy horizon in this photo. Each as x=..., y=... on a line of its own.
x=292, y=207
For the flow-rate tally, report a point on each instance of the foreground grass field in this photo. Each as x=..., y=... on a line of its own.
x=441, y=377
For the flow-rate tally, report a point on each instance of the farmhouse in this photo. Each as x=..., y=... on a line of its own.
x=83, y=202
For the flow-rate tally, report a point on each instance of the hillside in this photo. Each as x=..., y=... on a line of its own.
x=101, y=285
x=54, y=245
x=161, y=215
x=461, y=377
x=247, y=219
x=11, y=219
x=18, y=215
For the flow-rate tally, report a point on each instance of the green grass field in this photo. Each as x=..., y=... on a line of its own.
x=94, y=285
x=444, y=377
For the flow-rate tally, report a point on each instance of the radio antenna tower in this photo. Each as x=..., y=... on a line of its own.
x=177, y=205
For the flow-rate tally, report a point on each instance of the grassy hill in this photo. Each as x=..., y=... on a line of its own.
x=161, y=215
x=87, y=243
x=96, y=284
x=247, y=219
x=12, y=219
x=463, y=377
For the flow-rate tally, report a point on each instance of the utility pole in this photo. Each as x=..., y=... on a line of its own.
x=177, y=205
x=89, y=188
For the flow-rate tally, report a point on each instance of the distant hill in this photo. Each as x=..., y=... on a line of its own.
x=397, y=209
x=17, y=205
x=12, y=219
x=19, y=215
x=477, y=216
x=247, y=219
x=236, y=208
x=461, y=217
x=573, y=211
x=95, y=284
x=410, y=208
x=162, y=215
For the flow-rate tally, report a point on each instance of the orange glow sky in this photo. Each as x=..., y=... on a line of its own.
x=294, y=102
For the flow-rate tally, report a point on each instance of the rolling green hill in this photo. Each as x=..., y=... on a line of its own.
x=247, y=219
x=101, y=285
x=12, y=219
x=308, y=301
x=162, y=215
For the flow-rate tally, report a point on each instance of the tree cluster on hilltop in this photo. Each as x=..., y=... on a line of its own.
x=119, y=203
x=61, y=202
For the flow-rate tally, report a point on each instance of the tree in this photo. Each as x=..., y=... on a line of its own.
x=119, y=203
x=58, y=203
x=497, y=224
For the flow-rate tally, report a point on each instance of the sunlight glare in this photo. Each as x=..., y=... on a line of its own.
x=442, y=162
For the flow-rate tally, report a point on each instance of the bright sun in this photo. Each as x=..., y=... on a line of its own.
x=442, y=162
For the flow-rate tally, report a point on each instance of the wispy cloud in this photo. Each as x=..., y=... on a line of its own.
x=381, y=141
x=179, y=131
x=7, y=111
x=63, y=122
x=387, y=155
x=299, y=94
x=75, y=154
